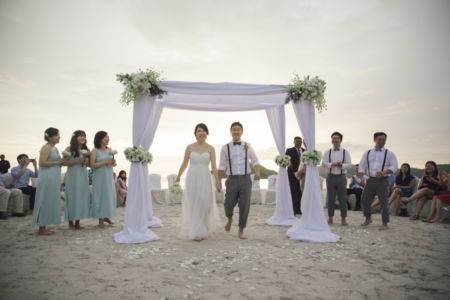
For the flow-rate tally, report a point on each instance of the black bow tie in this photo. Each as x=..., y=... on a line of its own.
x=236, y=143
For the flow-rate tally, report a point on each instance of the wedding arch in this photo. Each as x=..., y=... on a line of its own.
x=225, y=97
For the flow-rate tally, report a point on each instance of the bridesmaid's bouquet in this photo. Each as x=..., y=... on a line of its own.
x=66, y=154
x=138, y=155
x=112, y=152
x=283, y=160
x=175, y=188
x=312, y=89
x=311, y=157
x=84, y=152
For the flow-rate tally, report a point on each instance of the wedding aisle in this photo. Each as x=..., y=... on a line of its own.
x=408, y=261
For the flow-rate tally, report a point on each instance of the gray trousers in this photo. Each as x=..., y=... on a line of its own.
x=238, y=191
x=14, y=195
x=380, y=187
x=337, y=185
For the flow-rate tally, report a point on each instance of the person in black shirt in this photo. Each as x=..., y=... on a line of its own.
x=4, y=164
x=295, y=153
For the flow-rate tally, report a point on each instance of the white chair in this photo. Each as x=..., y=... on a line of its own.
x=256, y=191
x=172, y=198
x=220, y=196
x=271, y=192
x=158, y=194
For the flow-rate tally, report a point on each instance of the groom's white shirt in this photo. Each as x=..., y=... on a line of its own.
x=237, y=154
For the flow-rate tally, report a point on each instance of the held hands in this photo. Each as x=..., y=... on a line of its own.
x=336, y=164
x=380, y=174
x=298, y=175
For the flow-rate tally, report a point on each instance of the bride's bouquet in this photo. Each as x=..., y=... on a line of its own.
x=138, y=155
x=311, y=157
x=140, y=83
x=283, y=160
x=312, y=89
x=175, y=188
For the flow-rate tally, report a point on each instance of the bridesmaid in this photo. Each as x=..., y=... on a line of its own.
x=77, y=182
x=103, y=186
x=47, y=209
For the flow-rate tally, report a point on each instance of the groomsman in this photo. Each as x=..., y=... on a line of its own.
x=294, y=183
x=337, y=160
x=380, y=163
x=234, y=158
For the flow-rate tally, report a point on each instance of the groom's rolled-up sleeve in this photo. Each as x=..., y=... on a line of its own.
x=253, y=157
x=223, y=159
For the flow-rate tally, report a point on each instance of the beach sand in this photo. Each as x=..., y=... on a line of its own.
x=409, y=261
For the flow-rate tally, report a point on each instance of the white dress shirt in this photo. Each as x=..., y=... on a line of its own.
x=337, y=156
x=237, y=155
x=376, y=159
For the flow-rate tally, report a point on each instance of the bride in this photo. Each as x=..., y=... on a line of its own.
x=200, y=215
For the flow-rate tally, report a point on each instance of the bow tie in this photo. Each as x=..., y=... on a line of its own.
x=336, y=149
x=236, y=143
x=379, y=149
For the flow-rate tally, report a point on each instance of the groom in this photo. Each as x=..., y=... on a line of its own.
x=234, y=158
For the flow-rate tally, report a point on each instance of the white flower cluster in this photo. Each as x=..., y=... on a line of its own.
x=84, y=152
x=311, y=157
x=312, y=89
x=175, y=189
x=283, y=160
x=66, y=154
x=112, y=152
x=138, y=155
x=141, y=82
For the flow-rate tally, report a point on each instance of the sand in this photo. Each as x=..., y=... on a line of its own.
x=409, y=261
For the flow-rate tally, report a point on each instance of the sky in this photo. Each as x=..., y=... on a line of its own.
x=386, y=64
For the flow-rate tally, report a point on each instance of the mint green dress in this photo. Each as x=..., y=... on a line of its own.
x=47, y=209
x=103, y=189
x=77, y=193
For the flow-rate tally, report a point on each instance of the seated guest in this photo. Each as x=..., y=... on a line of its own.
x=403, y=187
x=4, y=164
x=21, y=177
x=15, y=195
x=429, y=186
x=122, y=185
x=356, y=187
x=439, y=200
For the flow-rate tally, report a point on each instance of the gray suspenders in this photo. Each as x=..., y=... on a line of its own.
x=384, y=161
x=229, y=159
x=343, y=158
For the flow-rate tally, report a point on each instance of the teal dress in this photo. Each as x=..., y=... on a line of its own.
x=47, y=209
x=77, y=192
x=103, y=189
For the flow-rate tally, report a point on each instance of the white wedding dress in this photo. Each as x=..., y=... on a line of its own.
x=200, y=215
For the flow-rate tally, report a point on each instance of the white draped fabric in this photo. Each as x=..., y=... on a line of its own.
x=211, y=97
x=312, y=226
x=138, y=212
x=284, y=212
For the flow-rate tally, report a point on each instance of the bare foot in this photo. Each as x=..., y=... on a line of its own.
x=107, y=220
x=79, y=227
x=435, y=220
x=228, y=225
x=241, y=234
x=330, y=220
x=101, y=224
x=198, y=239
x=367, y=222
x=45, y=232
x=71, y=226
x=344, y=222
x=383, y=227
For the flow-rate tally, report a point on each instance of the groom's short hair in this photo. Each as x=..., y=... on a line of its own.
x=237, y=124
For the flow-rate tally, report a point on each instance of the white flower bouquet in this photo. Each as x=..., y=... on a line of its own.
x=84, y=152
x=283, y=160
x=66, y=154
x=311, y=157
x=112, y=152
x=141, y=82
x=312, y=89
x=175, y=188
x=138, y=155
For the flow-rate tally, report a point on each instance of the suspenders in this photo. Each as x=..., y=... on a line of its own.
x=229, y=159
x=384, y=161
x=343, y=158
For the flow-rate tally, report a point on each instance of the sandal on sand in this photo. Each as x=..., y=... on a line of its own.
x=415, y=217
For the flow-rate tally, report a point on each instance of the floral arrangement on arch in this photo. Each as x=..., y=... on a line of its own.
x=311, y=157
x=308, y=88
x=283, y=161
x=138, y=83
x=175, y=188
x=138, y=155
